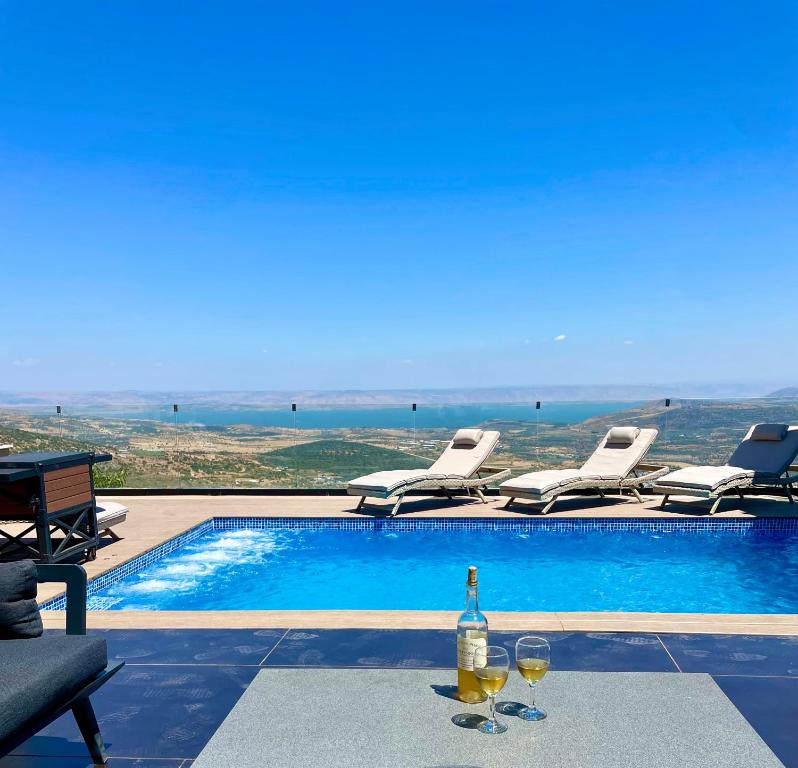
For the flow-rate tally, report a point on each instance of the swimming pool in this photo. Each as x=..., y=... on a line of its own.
x=680, y=566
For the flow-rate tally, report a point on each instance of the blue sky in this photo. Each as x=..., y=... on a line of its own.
x=335, y=195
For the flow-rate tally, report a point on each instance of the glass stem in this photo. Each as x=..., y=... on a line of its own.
x=534, y=687
x=492, y=700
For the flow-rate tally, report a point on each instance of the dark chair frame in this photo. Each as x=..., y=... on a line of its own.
x=75, y=579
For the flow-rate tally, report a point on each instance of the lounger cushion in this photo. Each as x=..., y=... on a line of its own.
x=770, y=432
x=40, y=674
x=110, y=513
x=704, y=478
x=466, y=438
x=623, y=435
x=19, y=613
x=455, y=463
x=767, y=458
x=612, y=461
x=391, y=480
x=540, y=483
x=464, y=461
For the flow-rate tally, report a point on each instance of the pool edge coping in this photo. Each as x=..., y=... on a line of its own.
x=688, y=623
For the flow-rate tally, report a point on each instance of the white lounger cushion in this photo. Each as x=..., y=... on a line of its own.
x=704, y=478
x=610, y=461
x=456, y=462
x=467, y=438
x=390, y=480
x=623, y=435
x=110, y=513
x=464, y=461
x=538, y=483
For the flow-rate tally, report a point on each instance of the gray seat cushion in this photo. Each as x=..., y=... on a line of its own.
x=19, y=614
x=39, y=674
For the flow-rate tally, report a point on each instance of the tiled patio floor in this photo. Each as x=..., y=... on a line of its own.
x=179, y=685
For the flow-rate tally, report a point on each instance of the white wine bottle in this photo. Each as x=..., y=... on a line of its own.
x=472, y=632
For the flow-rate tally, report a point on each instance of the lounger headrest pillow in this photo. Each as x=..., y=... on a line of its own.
x=622, y=435
x=466, y=438
x=771, y=432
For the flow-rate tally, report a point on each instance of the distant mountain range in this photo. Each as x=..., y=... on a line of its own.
x=520, y=394
x=785, y=392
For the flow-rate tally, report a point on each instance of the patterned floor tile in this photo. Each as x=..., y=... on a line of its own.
x=158, y=711
x=734, y=654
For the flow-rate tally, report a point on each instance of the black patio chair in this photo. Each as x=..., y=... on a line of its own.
x=44, y=676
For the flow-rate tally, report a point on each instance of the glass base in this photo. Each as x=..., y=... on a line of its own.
x=532, y=714
x=492, y=726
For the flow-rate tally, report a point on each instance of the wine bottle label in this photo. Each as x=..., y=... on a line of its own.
x=466, y=647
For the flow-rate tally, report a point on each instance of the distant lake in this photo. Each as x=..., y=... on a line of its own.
x=378, y=417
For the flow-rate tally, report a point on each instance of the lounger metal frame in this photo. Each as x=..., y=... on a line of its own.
x=632, y=482
x=737, y=486
x=478, y=483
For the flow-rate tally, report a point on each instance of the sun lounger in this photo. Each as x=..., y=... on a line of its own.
x=762, y=460
x=461, y=467
x=616, y=465
x=109, y=514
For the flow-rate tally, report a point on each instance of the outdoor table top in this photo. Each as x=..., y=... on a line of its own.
x=376, y=717
x=20, y=466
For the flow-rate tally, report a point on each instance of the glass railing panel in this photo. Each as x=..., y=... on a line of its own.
x=696, y=432
x=35, y=428
x=337, y=443
x=237, y=446
x=144, y=440
x=224, y=445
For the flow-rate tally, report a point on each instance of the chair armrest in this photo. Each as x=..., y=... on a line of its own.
x=74, y=576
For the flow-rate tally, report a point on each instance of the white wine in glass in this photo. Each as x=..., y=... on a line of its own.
x=532, y=657
x=491, y=668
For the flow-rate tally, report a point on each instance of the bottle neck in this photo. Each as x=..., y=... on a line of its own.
x=472, y=604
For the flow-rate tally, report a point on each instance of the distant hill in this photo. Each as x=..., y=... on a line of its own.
x=701, y=416
x=25, y=441
x=785, y=392
x=338, y=455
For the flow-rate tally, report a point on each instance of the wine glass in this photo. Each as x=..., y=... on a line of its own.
x=532, y=656
x=491, y=668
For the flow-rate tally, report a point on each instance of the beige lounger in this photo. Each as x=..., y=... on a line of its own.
x=109, y=514
x=762, y=460
x=615, y=466
x=461, y=467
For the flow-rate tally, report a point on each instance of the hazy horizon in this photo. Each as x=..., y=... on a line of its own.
x=620, y=393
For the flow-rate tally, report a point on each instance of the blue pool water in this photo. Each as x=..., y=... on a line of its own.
x=533, y=565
